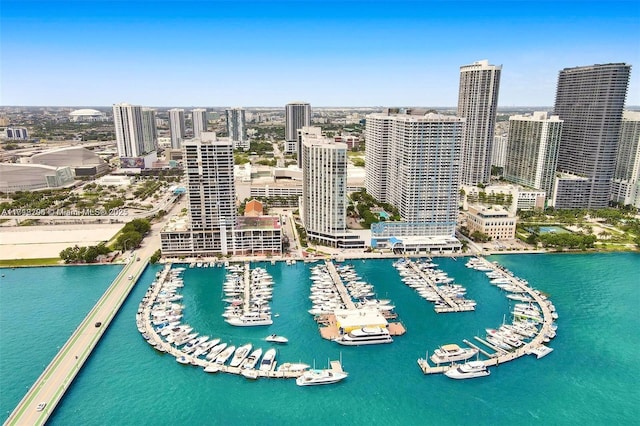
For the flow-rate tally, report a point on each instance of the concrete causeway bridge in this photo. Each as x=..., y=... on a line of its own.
x=50, y=387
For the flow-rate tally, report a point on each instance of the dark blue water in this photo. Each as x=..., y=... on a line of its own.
x=590, y=378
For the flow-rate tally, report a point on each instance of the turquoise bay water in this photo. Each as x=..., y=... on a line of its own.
x=39, y=309
x=590, y=378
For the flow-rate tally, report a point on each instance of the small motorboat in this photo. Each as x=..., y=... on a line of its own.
x=276, y=339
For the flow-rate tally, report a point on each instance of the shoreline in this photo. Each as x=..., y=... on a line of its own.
x=336, y=257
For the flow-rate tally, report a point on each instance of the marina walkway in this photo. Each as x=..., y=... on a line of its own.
x=505, y=356
x=337, y=281
x=58, y=375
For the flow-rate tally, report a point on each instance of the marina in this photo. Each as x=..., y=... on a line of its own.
x=568, y=386
x=506, y=345
x=154, y=323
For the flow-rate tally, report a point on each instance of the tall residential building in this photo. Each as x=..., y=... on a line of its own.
x=478, y=103
x=129, y=131
x=625, y=188
x=149, y=130
x=499, y=151
x=208, y=164
x=532, y=150
x=421, y=155
x=377, y=149
x=590, y=100
x=324, y=193
x=176, y=127
x=236, y=128
x=199, y=121
x=304, y=134
x=297, y=115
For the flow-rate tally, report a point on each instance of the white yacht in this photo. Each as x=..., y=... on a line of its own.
x=365, y=336
x=251, y=361
x=274, y=338
x=320, y=377
x=451, y=353
x=250, y=321
x=225, y=355
x=241, y=353
x=468, y=370
x=215, y=351
x=268, y=360
x=296, y=366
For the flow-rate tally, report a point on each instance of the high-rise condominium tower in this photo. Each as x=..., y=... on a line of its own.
x=625, y=187
x=478, y=103
x=129, y=130
x=176, y=127
x=297, y=115
x=236, y=128
x=532, y=150
x=324, y=196
x=420, y=157
x=590, y=100
x=149, y=130
x=208, y=165
x=199, y=120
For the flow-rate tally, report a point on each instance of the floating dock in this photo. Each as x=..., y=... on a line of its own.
x=501, y=356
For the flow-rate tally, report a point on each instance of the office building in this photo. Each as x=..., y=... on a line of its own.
x=495, y=221
x=176, y=127
x=478, y=103
x=324, y=197
x=625, y=188
x=127, y=120
x=297, y=115
x=236, y=128
x=149, y=130
x=532, y=150
x=199, y=121
x=16, y=133
x=590, y=101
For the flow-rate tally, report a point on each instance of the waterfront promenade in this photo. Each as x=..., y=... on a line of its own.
x=57, y=377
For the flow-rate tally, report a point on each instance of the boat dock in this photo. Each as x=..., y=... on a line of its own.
x=50, y=387
x=156, y=340
x=452, y=305
x=501, y=356
x=337, y=281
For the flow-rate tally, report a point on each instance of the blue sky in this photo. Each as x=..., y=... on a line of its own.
x=328, y=53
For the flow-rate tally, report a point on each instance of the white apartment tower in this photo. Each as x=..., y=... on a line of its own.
x=420, y=156
x=199, y=121
x=499, y=151
x=324, y=197
x=208, y=164
x=377, y=149
x=478, y=103
x=306, y=133
x=532, y=150
x=129, y=131
x=625, y=187
x=149, y=130
x=236, y=128
x=297, y=115
x=176, y=127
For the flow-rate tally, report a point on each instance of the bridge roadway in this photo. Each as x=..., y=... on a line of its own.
x=56, y=378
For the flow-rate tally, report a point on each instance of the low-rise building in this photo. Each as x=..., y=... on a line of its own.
x=495, y=221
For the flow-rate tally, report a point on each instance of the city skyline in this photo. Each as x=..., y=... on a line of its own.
x=329, y=54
